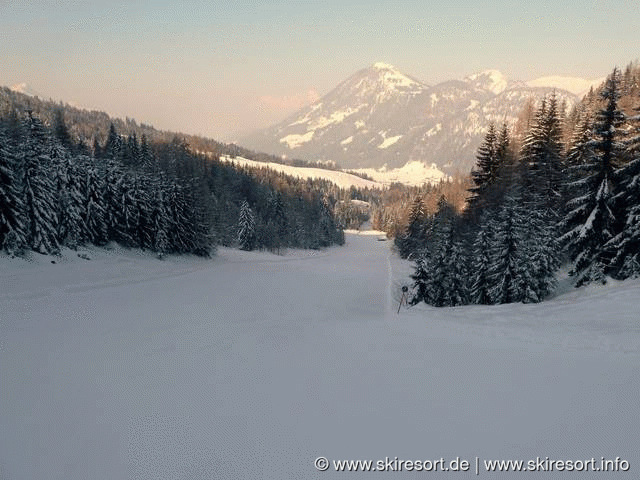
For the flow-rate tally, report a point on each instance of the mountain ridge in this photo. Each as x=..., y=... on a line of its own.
x=381, y=117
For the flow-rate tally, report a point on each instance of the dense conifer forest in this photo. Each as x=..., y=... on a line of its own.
x=58, y=191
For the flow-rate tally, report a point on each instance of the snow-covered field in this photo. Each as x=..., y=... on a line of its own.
x=342, y=179
x=251, y=365
x=413, y=173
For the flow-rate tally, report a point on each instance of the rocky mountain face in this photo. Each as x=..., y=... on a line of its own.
x=379, y=116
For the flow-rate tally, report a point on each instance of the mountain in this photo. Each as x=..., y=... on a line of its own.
x=380, y=117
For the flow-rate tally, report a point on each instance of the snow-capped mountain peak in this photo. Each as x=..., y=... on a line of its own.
x=383, y=81
x=392, y=76
x=492, y=80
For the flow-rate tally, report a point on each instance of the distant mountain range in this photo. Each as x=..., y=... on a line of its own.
x=380, y=117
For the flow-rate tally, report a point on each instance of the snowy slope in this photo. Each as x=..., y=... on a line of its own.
x=412, y=173
x=342, y=179
x=251, y=365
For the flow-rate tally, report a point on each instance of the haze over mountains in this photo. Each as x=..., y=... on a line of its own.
x=381, y=117
x=394, y=127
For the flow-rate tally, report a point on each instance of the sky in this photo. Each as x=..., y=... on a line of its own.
x=223, y=68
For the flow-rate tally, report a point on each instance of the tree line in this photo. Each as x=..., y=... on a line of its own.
x=56, y=191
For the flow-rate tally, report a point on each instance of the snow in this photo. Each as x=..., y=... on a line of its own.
x=251, y=365
x=342, y=179
x=295, y=140
x=473, y=104
x=389, y=141
x=575, y=85
x=393, y=77
x=414, y=173
x=334, y=118
x=347, y=140
x=434, y=130
x=492, y=80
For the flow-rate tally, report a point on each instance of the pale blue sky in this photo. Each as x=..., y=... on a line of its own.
x=217, y=68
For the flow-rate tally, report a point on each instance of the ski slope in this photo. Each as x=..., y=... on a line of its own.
x=251, y=366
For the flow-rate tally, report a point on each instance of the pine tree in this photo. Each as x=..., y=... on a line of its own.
x=440, y=273
x=506, y=252
x=140, y=219
x=12, y=234
x=413, y=239
x=160, y=221
x=71, y=228
x=421, y=280
x=486, y=171
x=112, y=178
x=113, y=146
x=39, y=190
x=61, y=131
x=127, y=214
x=626, y=244
x=481, y=262
x=542, y=155
x=594, y=220
x=246, y=227
x=147, y=159
x=93, y=209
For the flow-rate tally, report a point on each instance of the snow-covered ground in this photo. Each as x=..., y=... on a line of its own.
x=251, y=365
x=342, y=179
x=413, y=173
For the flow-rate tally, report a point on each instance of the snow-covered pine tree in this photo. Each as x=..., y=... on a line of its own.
x=421, y=278
x=141, y=218
x=147, y=158
x=67, y=174
x=457, y=274
x=113, y=175
x=12, y=234
x=412, y=240
x=246, y=231
x=440, y=274
x=127, y=214
x=93, y=209
x=626, y=244
x=505, y=252
x=160, y=220
x=484, y=175
x=277, y=223
x=178, y=228
x=113, y=146
x=542, y=154
x=38, y=188
x=591, y=215
x=539, y=251
x=480, y=262
x=60, y=130
x=198, y=202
